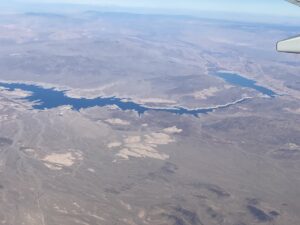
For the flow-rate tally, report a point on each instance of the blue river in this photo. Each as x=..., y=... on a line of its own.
x=48, y=98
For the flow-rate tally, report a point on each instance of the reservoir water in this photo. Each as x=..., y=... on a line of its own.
x=240, y=81
x=47, y=98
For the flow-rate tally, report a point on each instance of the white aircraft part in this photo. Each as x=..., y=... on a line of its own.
x=291, y=45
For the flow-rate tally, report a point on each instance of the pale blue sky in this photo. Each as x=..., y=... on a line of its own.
x=268, y=7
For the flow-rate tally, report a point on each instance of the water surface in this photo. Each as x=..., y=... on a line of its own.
x=238, y=80
x=48, y=98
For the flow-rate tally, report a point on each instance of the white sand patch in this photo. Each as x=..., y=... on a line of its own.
x=158, y=139
x=57, y=161
x=117, y=122
x=76, y=205
x=141, y=153
x=125, y=153
x=53, y=166
x=57, y=208
x=64, y=108
x=111, y=107
x=146, y=146
x=142, y=214
x=293, y=146
x=132, y=139
x=90, y=93
x=29, y=150
x=114, y=144
x=126, y=205
x=155, y=101
x=66, y=159
x=17, y=93
x=91, y=170
x=172, y=130
x=206, y=93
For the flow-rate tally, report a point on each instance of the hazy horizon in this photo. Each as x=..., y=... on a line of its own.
x=232, y=9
